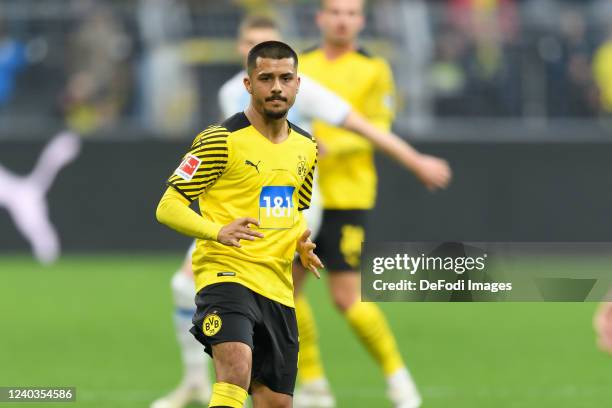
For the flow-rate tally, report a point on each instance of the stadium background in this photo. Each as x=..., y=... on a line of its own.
x=516, y=94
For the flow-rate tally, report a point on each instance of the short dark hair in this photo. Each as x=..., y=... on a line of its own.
x=257, y=21
x=270, y=49
x=323, y=2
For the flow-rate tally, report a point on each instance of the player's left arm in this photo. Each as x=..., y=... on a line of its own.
x=304, y=246
x=305, y=249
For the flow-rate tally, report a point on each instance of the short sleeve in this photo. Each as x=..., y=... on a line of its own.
x=203, y=164
x=380, y=105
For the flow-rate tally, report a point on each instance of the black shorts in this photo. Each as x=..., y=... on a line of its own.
x=339, y=241
x=230, y=312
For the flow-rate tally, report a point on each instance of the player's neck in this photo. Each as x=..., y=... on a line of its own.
x=335, y=51
x=275, y=130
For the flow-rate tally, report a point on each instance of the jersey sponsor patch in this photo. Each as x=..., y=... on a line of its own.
x=276, y=208
x=188, y=167
x=212, y=324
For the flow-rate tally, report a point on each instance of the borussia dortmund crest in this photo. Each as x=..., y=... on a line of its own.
x=302, y=170
x=212, y=324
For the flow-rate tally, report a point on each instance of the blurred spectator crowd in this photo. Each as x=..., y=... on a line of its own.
x=110, y=65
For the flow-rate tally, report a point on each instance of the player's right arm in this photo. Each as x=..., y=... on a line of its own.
x=173, y=211
x=201, y=167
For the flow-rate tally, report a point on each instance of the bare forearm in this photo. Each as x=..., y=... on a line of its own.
x=173, y=211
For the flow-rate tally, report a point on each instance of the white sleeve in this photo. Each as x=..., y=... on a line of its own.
x=230, y=96
x=314, y=101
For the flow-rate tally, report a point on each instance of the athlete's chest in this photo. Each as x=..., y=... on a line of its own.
x=257, y=163
x=265, y=179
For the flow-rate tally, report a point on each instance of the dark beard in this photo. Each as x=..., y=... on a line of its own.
x=275, y=114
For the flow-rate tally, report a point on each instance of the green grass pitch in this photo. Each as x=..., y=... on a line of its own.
x=104, y=325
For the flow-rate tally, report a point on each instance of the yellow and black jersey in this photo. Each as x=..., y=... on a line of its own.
x=237, y=172
x=347, y=176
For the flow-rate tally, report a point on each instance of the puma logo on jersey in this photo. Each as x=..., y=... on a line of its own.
x=250, y=163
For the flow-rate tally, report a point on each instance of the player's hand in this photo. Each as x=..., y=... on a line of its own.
x=433, y=172
x=603, y=327
x=232, y=233
x=305, y=249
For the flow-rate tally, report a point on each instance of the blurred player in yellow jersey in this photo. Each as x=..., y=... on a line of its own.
x=252, y=176
x=347, y=179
